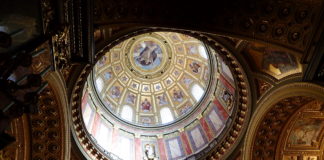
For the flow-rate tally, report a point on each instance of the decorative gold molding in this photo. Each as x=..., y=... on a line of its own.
x=20, y=149
x=263, y=86
x=50, y=127
x=57, y=83
x=267, y=102
x=312, y=110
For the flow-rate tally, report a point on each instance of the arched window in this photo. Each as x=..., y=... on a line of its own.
x=125, y=150
x=127, y=113
x=99, y=84
x=166, y=115
x=202, y=51
x=197, y=92
x=103, y=135
x=227, y=71
x=88, y=115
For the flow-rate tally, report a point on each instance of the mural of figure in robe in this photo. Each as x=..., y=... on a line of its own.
x=149, y=152
x=162, y=99
x=195, y=67
x=115, y=92
x=282, y=61
x=131, y=98
x=146, y=105
x=273, y=60
x=228, y=99
x=305, y=132
x=187, y=81
x=148, y=55
x=177, y=95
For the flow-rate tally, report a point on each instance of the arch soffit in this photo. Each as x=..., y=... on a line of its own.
x=57, y=83
x=267, y=102
x=312, y=114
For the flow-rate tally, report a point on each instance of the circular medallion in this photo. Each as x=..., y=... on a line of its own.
x=147, y=55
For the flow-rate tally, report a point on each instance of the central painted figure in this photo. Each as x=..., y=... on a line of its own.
x=147, y=55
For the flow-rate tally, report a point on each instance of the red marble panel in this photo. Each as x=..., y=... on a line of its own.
x=221, y=109
x=185, y=141
x=227, y=84
x=206, y=129
x=162, y=149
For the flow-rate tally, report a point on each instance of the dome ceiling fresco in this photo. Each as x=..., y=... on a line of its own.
x=152, y=72
x=159, y=95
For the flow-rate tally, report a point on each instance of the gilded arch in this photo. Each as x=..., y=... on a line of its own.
x=286, y=99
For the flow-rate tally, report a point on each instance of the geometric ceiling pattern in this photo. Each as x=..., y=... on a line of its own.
x=158, y=95
x=174, y=95
x=151, y=75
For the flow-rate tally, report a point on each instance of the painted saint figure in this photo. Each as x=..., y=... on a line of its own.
x=195, y=67
x=228, y=98
x=149, y=152
x=162, y=99
x=131, y=98
x=107, y=75
x=282, y=61
x=305, y=132
x=147, y=55
x=115, y=92
x=273, y=60
x=177, y=95
x=187, y=81
x=146, y=105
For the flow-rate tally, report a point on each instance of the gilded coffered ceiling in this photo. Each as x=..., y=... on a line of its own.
x=162, y=80
x=153, y=71
x=164, y=95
